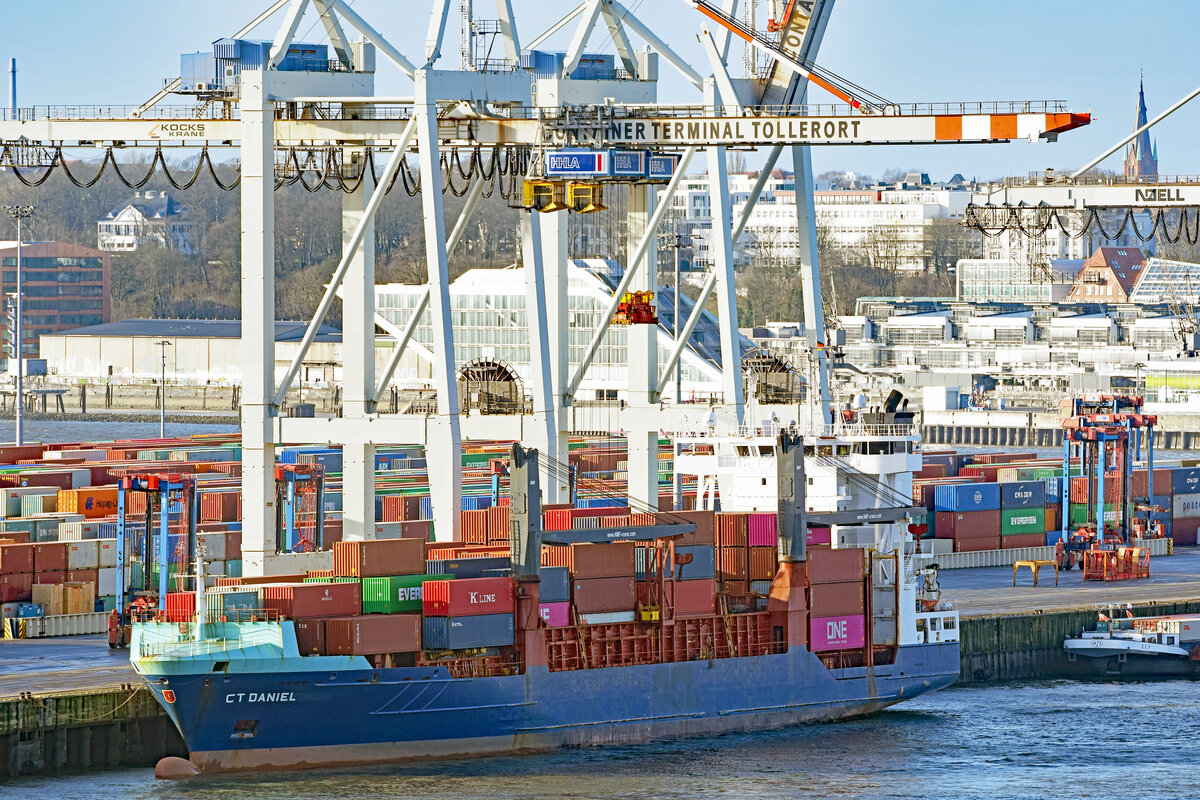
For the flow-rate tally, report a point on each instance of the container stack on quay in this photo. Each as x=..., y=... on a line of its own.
x=991, y=501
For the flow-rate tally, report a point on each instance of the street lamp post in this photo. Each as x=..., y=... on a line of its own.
x=19, y=213
x=162, y=390
x=677, y=241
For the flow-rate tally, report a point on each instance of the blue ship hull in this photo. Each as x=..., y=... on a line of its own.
x=310, y=717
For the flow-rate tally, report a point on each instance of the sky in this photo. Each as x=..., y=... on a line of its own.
x=1087, y=52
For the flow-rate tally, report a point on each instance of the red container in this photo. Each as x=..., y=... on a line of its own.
x=1162, y=483
x=50, y=556
x=50, y=578
x=15, y=537
x=415, y=529
x=1112, y=488
x=835, y=566
x=931, y=471
x=310, y=636
x=608, y=560
x=373, y=634
x=732, y=563
x=763, y=561
x=732, y=530
x=233, y=545
x=1184, y=531
x=600, y=595
x=470, y=597
x=83, y=576
x=706, y=526
x=819, y=536
x=694, y=598
x=1023, y=540
x=735, y=588
x=181, y=606
x=474, y=525
x=379, y=558
x=16, y=559
x=301, y=600
x=391, y=508
x=16, y=588
x=975, y=545
x=967, y=525
x=836, y=599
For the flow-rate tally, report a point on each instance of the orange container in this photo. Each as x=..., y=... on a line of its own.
x=91, y=501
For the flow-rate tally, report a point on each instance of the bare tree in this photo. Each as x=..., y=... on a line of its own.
x=882, y=249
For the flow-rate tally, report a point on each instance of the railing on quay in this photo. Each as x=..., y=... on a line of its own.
x=1035, y=179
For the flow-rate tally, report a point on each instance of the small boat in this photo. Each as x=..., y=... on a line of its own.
x=1123, y=646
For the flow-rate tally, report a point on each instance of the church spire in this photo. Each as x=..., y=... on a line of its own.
x=1141, y=156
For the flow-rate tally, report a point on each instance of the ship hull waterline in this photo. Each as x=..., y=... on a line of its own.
x=305, y=719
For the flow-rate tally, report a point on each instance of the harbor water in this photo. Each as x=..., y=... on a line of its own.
x=1039, y=740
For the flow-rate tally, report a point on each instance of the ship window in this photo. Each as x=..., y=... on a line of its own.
x=220, y=666
x=843, y=449
x=742, y=450
x=824, y=450
x=948, y=624
x=765, y=450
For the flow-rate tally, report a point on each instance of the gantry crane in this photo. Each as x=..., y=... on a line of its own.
x=324, y=125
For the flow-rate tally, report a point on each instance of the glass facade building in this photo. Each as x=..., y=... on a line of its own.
x=63, y=286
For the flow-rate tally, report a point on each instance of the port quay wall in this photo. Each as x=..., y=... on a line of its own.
x=1038, y=429
x=1011, y=647
x=48, y=734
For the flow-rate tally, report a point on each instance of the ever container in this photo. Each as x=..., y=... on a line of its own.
x=461, y=633
x=395, y=594
x=472, y=597
x=1022, y=521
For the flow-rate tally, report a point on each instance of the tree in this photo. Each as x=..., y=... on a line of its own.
x=882, y=249
x=947, y=241
x=771, y=287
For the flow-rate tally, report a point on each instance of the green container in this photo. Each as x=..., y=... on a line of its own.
x=396, y=594
x=1017, y=521
x=233, y=568
x=1086, y=514
x=1047, y=472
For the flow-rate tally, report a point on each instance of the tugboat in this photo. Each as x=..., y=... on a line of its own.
x=1141, y=648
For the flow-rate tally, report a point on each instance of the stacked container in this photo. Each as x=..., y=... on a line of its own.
x=837, y=592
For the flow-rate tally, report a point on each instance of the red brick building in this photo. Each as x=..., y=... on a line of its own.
x=1108, y=276
x=63, y=285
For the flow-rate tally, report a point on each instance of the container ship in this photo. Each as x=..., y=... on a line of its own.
x=567, y=626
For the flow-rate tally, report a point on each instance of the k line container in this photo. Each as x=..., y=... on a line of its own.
x=461, y=633
x=467, y=598
x=372, y=635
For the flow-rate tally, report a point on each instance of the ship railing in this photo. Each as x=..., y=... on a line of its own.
x=839, y=430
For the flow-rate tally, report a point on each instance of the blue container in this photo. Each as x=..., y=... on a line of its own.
x=1023, y=494
x=476, y=503
x=1185, y=480
x=1054, y=487
x=378, y=507
x=703, y=565
x=1053, y=538
x=426, y=508
x=233, y=568
x=601, y=502
x=967, y=497
x=466, y=567
x=30, y=611
x=461, y=633
x=555, y=586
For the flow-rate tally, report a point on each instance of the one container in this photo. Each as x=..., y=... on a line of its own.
x=460, y=633
x=554, y=585
x=598, y=595
x=1022, y=521
x=967, y=497
x=1027, y=494
x=379, y=558
x=836, y=599
x=371, y=635
x=555, y=615
x=842, y=632
x=470, y=597
x=701, y=566
x=300, y=600
x=395, y=594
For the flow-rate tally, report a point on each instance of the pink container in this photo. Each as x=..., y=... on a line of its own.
x=837, y=633
x=819, y=535
x=556, y=615
x=763, y=530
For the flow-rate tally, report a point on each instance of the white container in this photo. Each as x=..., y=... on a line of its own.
x=213, y=544
x=74, y=531
x=607, y=618
x=67, y=625
x=84, y=554
x=940, y=398
x=216, y=568
x=10, y=498
x=106, y=554
x=937, y=547
x=106, y=582
x=387, y=530
x=848, y=537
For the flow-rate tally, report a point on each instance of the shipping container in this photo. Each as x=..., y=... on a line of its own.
x=372, y=635
x=16, y=588
x=555, y=615
x=701, y=563
x=694, y=598
x=555, y=585
x=1185, y=506
x=83, y=554
x=968, y=525
x=310, y=636
x=465, y=598
x=180, y=606
x=1185, y=480
x=1022, y=521
x=837, y=632
x=762, y=530
x=835, y=566
x=50, y=557
x=395, y=594
x=967, y=497
x=380, y=558
x=733, y=563
x=705, y=522
x=1139, y=482
x=1023, y=540
x=762, y=563
x=1027, y=494
x=977, y=544
x=598, y=595
x=465, y=567
x=609, y=560
x=461, y=633
x=1184, y=531
x=16, y=559
x=300, y=600
x=834, y=599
